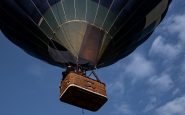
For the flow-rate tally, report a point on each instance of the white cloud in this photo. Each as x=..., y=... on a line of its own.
x=174, y=107
x=116, y=88
x=176, y=91
x=151, y=105
x=162, y=82
x=165, y=47
x=183, y=65
x=139, y=67
x=124, y=109
x=177, y=25
x=164, y=50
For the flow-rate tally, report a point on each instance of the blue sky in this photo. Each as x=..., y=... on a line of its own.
x=150, y=81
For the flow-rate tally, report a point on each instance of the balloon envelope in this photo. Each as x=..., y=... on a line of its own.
x=88, y=32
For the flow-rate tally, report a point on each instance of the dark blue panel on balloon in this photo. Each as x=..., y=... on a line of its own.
x=116, y=6
x=53, y=1
x=36, y=8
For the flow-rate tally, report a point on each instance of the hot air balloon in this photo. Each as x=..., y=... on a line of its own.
x=81, y=35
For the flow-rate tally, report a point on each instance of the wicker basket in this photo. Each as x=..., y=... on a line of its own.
x=83, y=92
